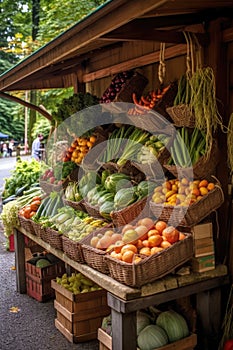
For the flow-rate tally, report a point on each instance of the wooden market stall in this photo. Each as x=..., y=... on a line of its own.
x=123, y=35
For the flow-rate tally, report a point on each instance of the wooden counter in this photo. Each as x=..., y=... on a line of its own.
x=125, y=301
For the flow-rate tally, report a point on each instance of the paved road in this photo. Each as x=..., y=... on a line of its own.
x=6, y=166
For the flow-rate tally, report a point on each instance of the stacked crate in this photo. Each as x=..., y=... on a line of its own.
x=204, y=252
x=38, y=280
x=79, y=316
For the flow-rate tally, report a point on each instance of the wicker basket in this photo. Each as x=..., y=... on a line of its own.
x=92, y=210
x=130, y=168
x=153, y=267
x=202, y=169
x=39, y=230
x=131, y=213
x=53, y=237
x=72, y=249
x=48, y=188
x=26, y=224
x=168, y=98
x=92, y=256
x=75, y=205
x=182, y=115
x=193, y=214
x=135, y=84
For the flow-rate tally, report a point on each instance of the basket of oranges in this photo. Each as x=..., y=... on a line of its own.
x=186, y=202
x=158, y=250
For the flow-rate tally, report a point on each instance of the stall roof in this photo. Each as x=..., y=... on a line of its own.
x=111, y=24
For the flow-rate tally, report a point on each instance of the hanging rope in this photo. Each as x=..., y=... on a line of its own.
x=162, y=65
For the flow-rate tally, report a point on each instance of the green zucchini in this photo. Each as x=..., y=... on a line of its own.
x=41, y=208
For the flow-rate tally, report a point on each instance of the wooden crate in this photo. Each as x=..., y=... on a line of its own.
x=38, y=280
x=188, y=343
x=79, y=316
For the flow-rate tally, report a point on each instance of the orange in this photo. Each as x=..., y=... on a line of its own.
x=116, y=255
x=145, y=243
x=196, y=192
x=145, y=251
x=210, y=186
x=165, y=244
x=160, y=226
x=153, y=232
x=155, y=250
x=137, y=259
x=171, y=234
x=128, y=256
x=203, y=183
x=181, y=236
x=203, y=190
x=155, y=241
x=139, y=244
x=129, y=247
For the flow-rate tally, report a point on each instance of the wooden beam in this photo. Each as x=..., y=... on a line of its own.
x=227, y=35
x=26, y=104
x=150, y=58
x=81, y=37
x=146, y=33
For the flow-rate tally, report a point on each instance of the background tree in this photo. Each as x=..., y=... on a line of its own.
x=26, y=25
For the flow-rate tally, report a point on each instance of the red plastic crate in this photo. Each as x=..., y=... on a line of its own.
x=11, y=243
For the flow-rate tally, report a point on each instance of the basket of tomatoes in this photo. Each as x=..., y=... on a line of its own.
x=27, y=212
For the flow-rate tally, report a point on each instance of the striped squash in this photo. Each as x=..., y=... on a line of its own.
x=174, y=325
x=152, y=337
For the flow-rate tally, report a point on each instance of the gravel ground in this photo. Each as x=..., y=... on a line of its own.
x=32, y=327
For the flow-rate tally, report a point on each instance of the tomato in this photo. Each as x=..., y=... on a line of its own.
x=228, y=345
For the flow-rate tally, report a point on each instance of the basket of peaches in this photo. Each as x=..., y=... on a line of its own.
x=142, y=252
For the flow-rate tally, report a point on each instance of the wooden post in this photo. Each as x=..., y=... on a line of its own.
x=216, y=57
x=20, y=261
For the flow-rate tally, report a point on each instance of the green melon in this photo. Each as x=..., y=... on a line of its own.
x=43, y=263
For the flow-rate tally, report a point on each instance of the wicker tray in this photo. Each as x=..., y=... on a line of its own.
x=26, y=224
x=153, y=267
x=75, y=205
x=92, y=256
x=72, y=249
x=131, y=213
x=53, y=237
x=182, y=115
x=193, y=214
x=202, y=169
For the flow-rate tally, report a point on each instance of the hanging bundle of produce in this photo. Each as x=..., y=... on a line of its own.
x=122, y=86
x=161, y=97
x=195, y=104
x=148, y=102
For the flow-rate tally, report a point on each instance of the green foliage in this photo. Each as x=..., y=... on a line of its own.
x=57, y=16
x=76, y=102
